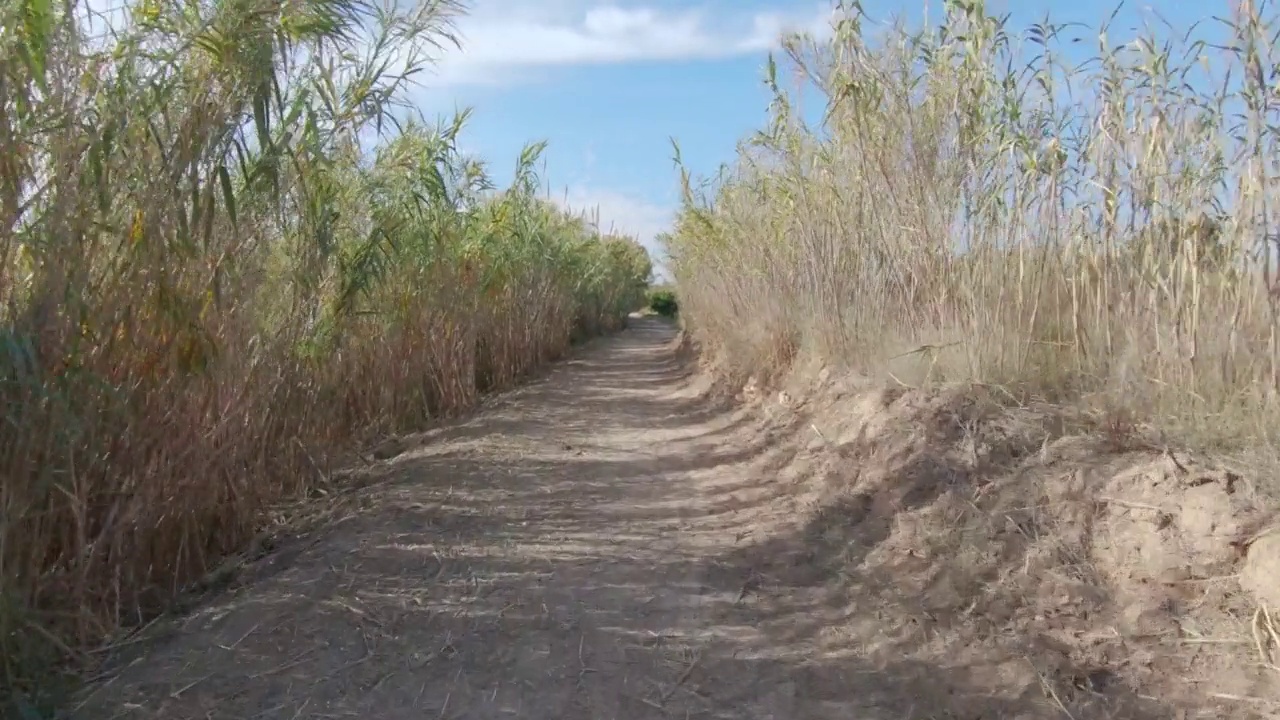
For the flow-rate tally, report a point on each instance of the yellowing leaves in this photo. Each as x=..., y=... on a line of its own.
x=148, y=11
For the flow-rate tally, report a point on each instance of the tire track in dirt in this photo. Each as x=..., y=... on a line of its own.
x=572, y=551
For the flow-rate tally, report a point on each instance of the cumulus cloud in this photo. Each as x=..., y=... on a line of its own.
x=502, y=40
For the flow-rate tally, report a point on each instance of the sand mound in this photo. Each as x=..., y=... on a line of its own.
x=1261, y=572
x=943, y=527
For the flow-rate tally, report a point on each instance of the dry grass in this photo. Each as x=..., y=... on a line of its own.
x=208, y=286
x=976, y=209
x=1020, y=247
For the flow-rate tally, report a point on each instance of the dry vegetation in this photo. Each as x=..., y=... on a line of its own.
x=213, y=286
x=210, y=284
x=975, y=208
x=1006, y=291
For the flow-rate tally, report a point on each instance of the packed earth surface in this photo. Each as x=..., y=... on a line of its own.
x=616, y=540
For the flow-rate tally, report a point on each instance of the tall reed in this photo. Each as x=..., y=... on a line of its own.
x=977, y=206
x=209, y=285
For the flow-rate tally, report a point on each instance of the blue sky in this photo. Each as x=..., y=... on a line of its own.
x=608, y=82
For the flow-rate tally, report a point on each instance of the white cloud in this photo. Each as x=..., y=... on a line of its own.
x=621, y=213
x=503, y=40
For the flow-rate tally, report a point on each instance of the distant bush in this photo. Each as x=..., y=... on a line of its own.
x=664, y=303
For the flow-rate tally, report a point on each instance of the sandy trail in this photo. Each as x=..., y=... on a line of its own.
x=579, y=549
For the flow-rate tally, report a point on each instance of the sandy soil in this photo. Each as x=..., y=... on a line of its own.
x=611, y=542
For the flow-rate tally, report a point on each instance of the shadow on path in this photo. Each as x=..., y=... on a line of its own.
x=575, y=551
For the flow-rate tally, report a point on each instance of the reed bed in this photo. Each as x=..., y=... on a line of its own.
x=225, y=260
x=976, y=205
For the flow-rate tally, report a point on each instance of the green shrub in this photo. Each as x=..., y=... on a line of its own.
x=664, y=303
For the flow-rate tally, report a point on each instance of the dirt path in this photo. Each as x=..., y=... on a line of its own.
x=555, y=557
x=577, y=550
